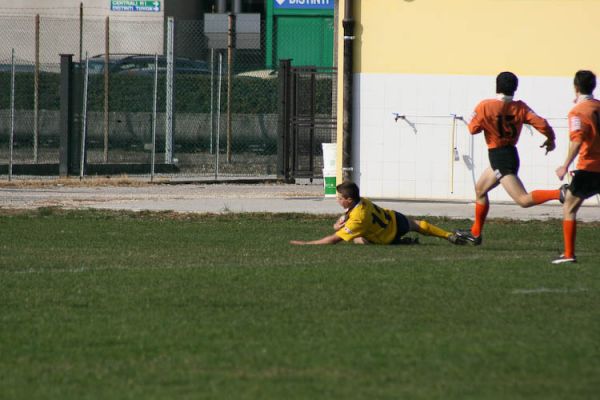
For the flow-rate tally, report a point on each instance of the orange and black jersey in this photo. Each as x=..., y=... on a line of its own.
x=501, y=122
x=584, y=127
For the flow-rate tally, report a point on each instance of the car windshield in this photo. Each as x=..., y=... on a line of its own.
x=95, y=66
x=144, y=64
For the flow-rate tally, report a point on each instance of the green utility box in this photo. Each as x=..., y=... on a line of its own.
x=301, y=30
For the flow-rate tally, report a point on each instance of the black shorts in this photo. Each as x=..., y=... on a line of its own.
x=402, y=228
x=585, y=184
x=504, y=161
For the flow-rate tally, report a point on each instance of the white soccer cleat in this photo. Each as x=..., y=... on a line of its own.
x=562, y=259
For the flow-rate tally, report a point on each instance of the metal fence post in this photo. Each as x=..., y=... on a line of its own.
x=169, y=92
x=106, y=86
x=67, y=152
x=212, y=99
x=154, y=97
x=217, y=144
x=36, y=91
x=12, y=115
x=312, y=110
x=283, y=138
x=230, y=47
x=80, y=31
x=84, y=119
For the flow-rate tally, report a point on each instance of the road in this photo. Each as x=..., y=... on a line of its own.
x=222, y=198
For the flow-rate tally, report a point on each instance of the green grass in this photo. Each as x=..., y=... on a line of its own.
x=98, y=305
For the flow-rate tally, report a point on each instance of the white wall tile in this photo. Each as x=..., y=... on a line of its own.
x=395, y=161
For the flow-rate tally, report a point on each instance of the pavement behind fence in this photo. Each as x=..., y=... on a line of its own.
x=249, y=197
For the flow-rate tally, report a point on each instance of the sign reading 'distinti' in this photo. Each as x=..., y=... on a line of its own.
x=135, y=5
x=304, y=4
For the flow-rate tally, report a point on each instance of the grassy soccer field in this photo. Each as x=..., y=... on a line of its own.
x=98, y=305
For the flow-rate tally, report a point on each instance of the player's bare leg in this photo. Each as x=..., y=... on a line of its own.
x=515, y=189
x=572, y=204
x=486, y=182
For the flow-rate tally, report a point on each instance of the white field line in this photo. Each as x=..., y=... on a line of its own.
x=79, y=270
x=548, y=290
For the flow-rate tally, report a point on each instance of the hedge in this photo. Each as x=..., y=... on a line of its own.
x=134, y=93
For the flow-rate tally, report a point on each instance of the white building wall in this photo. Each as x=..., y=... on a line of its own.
x=429, y=59
x=413, y=158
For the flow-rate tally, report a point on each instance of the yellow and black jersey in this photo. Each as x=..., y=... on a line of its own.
x=367, y=220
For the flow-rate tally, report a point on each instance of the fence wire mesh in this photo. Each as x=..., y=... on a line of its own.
x=225, y=105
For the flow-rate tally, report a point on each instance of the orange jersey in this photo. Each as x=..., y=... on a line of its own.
x=501, y=122
x=584, y=127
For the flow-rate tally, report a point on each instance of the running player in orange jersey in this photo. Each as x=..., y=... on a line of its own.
x=501, y=120
x=584, y=135
x=364, y=222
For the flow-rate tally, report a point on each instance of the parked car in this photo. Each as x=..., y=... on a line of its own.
x=143, y=64
x=18, y=68
x=261, y=74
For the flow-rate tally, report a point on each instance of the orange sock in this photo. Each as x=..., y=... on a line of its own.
x=569, y=233
x=542, y=196
x=481, y=211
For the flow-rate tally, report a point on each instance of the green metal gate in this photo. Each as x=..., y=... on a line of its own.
x=303, y=34
x=306, y=40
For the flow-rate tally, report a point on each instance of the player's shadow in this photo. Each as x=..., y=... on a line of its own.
x=468, y=160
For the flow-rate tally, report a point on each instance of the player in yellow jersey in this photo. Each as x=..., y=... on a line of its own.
x=364, y=222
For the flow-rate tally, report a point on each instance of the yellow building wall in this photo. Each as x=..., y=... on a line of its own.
x=533, y=38
x=477, y=37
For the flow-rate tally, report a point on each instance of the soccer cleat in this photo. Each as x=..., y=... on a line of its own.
x=409, y=240
x=562, y=259
x=563, y=193
x=468, y=237
x=455, y=239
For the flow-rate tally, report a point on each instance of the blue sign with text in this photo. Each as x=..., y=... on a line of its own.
x=304, y=4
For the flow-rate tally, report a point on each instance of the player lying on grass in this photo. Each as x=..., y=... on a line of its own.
x=364, y=222
x=501, y=120
x=584, y=141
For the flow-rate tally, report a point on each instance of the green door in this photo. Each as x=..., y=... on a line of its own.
x=306, y=40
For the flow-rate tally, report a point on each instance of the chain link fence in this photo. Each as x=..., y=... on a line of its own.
x=225, y=105
x=233, y=109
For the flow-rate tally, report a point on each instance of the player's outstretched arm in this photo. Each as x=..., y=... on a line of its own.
x=549, y=144
x=571, y=154
x=331, y=239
